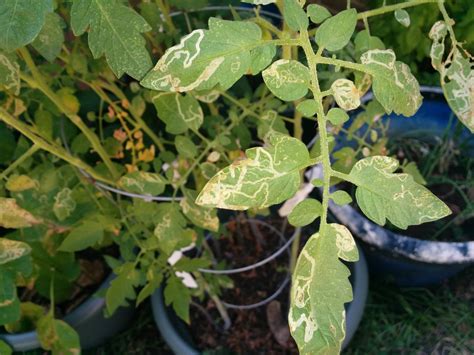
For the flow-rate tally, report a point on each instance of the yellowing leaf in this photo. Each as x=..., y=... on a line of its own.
x=20, y=183
x=383, y=195
x=13, y=216
x=320, y=287
x=58, y=336
x=9, y=73
x=11, y=250
x=394, y=86
x=266, y=177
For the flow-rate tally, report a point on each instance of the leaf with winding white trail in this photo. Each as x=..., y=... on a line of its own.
x=457, y=75
x=142, y=182
x=402, y=17
x=11, y=250
x=267, y=176
x=319, y=290
x=394, y=85
x=383, y=195
x=115, y=30
x=9, y=73
x=201, y=216
x=21, y=21
x=178, y=111
x=346, y=94
x=204, y=59
x=287, y=79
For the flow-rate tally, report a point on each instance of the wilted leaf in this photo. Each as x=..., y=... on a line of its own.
x=319, y=290
x=395, y=87
x=179, y=112
x=383, y=195
x=21, y=21
x=266, y=177
x=287, y=79
x=114, y=31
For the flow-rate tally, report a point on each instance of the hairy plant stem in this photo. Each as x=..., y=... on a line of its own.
x=32, y=150
x=312, y=57
x=38, y=82
x=42, y=143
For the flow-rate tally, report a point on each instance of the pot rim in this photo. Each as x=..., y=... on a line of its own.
x=436, y=252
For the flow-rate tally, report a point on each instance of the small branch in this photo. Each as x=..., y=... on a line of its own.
x=391, y=8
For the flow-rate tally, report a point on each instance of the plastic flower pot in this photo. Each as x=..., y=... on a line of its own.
x=88, y=320
x=406, y=260
x=178, y=337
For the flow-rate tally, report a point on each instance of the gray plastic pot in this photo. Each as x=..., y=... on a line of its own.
x=406, y=260
x=177, y=335
x=88, y=320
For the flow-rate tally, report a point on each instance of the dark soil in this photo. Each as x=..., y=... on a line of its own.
x=255, y=331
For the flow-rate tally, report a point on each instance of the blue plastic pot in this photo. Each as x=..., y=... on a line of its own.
x=176, y=333
x=89, y=322
x=405, y=260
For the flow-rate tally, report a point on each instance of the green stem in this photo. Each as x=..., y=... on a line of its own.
x=32, y=150
x=391, y=8
x=295, y=248
x=325, y=158
x=343, y=63
x=42, y=143
x=165, y=12
x=37, y=81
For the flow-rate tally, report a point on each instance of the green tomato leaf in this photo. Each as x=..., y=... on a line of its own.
x=57, y=336
x=179, y=112
x=206, y=58
x=21, y=21
x=336, y=31
x=203, y=217
x=114, y=31
x=170, y=232
x=51, y=38
x=363, y=42
x=402, y=17
x=305, y=212
x=317, y=13
x=266, y=177
x=87, y=234
x=122, y=288
x=9, y=73
x=30, y=313
x=144, y=183
x=9, y=302
x=412, y=169
x=294, y=15
x=261, y=57
x=178, y=295
x=395, y=87
x=341, y=197
x=383, y=195
x=346, y=94
x=13, y=216
x=337, y=116
x=185, y=147
x=319, y=290
x=287, y=79
x=307, y=108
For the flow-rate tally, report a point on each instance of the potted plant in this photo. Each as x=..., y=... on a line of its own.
x=208, y=122
x=50, y=274
x=429, y=147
